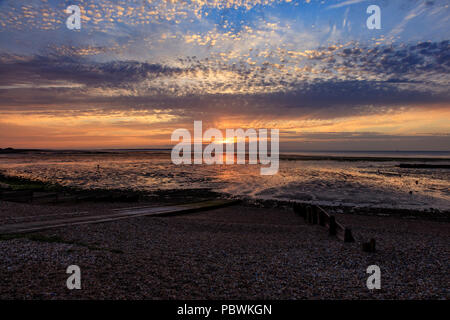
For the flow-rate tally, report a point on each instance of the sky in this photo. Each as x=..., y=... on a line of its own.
x=137, y=70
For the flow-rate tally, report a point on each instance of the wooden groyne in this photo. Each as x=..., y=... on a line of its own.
x=314, y=214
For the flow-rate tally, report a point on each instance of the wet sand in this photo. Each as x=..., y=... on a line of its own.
x=354, y=181
x=238, y=252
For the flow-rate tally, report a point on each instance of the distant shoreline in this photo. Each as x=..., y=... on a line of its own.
x=289, y=156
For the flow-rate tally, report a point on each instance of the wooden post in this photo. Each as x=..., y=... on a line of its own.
x=369, y=246
x=348, y=235
x=315, y=212
x=299, y=209
x=308, y=214
x=320, y=217
x=332, y=226
x=302, y=211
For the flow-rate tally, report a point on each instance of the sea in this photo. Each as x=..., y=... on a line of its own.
x=349, y=178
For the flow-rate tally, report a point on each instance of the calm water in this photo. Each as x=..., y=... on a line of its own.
x=360, y=183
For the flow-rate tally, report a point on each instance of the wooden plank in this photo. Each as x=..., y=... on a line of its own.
x=125, y=213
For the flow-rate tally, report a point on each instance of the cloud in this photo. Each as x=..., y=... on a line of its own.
x=242, y=61
x=48, y=69
x=415, y=12
x=345, y=3
x=326, y=82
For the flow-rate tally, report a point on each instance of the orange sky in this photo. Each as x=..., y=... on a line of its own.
x=137, y=70
x=140, y=130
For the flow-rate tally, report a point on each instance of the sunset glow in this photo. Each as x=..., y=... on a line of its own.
x=136, y=71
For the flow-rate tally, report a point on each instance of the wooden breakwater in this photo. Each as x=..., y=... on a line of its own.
x=314, y=214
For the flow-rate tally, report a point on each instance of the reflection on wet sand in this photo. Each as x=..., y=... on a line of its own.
x=361, y=183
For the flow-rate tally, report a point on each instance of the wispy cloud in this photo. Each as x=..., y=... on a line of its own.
x=286, y=64
x=345, y=3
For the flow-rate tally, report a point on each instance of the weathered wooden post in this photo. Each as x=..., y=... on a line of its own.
x=369, y=246
x=299, y=209
x=296, y=208
x=348, y=235
x=302, y=211
x=308, y=214
x=332, y=226
x=315, y=212
x=320, y=217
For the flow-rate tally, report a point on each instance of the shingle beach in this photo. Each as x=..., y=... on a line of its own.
x=238, y=252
